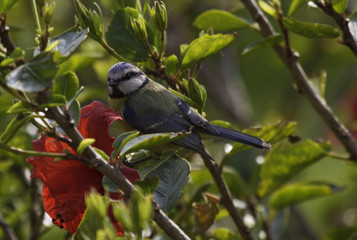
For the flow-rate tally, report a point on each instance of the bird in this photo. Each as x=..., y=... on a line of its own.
x=149, y=107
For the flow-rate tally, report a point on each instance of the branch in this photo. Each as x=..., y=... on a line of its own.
x=342, y=21
x=92, y=160
x=304, y=87
x=226, y=198
x=8, y=231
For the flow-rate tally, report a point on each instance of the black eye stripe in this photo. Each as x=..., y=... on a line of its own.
x=130, y=75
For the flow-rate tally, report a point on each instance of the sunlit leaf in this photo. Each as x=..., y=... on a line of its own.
x=264, y=43
x=171, y=65
x=270, y=133
x=35, y=75
x=294, y=6
x=310, y=30
x=267, y=8
x=84, y=144
x=299, y=192
x=173, y=173
x=352, y=25
x=204, y=47
x=224, y=233
x=220, y=21
x=150, y=140
x=122, y=38
x=286, y=160
x=19, y=107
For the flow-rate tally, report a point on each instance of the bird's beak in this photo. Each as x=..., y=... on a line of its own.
x=112, y=83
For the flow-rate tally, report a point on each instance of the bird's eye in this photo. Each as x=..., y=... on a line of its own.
x=127, y=76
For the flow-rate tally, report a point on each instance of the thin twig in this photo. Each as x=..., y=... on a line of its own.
x=304, y=87
x=226, y=198
x=342, y=21
x=8, y=231
x=92, y=160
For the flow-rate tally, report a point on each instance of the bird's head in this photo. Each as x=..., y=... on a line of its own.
x=125, y=79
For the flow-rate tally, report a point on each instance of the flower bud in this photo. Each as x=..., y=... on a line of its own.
x=139, y=27
x=160, y=16
x=197, y=93
x=49, y=10
x=90, y=19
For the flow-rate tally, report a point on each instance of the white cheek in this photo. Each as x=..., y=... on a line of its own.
x=131, y=85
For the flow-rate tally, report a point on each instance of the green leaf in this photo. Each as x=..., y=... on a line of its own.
x=84, y=144
x=122, y=38
x=69, y=41
x=184, y=97
x=270, y=133
x=286, y=160
x=136, y=214
x=339, y=5
x=109, y=185
x=11, y=129
x=224, y=124
x=53, y=101
x=224, y=233
x=171, y=65
x=67, y=85
x=150, y=140
x=310, y=30
x=264, y=43
x=101, y=153
x=148, y=185
x=95, y=223
x=173, y=173
x=5, y=5
x=204, y=47
x=35, y=75
x=267, y=8
x=294, y=6
x=75, y=110
x=19, y=107
x=220, y=21
x=121, y=140
x=299, y=192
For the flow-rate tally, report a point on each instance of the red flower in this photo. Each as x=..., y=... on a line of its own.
x=66, y=182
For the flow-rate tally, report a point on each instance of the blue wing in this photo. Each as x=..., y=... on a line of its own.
x=172, y=121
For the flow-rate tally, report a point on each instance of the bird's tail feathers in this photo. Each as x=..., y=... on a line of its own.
x=241, y=137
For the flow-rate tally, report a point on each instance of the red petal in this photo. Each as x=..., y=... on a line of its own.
x=65, y=183
x=131, y=174
x=95, y=121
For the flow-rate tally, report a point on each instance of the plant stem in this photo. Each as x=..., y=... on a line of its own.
x=8, y=231
x=34, y=153
x=35, y=14
x=342, y=21
x=226, y=198
x=302, y=81
x=111, y=50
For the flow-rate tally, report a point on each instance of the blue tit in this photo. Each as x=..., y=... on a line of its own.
x=149, y=107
